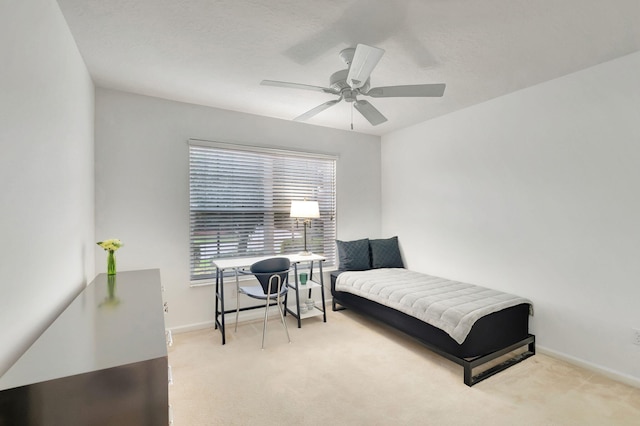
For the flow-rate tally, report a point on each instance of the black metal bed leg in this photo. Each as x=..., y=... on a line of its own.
x=470, y=379
x=468, y=376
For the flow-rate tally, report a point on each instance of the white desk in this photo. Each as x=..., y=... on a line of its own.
x=244, y=262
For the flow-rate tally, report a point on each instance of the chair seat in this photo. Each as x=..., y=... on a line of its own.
x=257, y=292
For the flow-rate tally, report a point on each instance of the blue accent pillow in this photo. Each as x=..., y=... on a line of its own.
x=354, y=255
x=386, y=253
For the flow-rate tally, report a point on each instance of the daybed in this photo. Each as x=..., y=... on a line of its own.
x=496, y=332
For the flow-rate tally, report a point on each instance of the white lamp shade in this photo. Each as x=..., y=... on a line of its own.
x=305, y=209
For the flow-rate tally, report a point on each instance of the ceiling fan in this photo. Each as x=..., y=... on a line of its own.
x=348, y=84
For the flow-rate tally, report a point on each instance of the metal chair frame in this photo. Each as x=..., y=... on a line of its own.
x=267, y=296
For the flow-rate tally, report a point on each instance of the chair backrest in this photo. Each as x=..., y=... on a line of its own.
x=264, y=269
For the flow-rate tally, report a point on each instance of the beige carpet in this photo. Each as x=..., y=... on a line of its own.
x=353, y=371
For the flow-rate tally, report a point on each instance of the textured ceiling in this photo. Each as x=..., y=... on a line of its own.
x=216, y=52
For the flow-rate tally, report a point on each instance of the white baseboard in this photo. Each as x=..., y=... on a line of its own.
x=192, y=327
x=623, y=378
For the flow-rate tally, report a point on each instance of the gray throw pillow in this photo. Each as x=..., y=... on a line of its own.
x=354, y=255
x=386, y=253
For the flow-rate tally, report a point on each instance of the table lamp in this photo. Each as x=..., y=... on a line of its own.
x=305, y=210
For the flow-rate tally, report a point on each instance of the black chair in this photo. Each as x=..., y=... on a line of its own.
x=273, y=276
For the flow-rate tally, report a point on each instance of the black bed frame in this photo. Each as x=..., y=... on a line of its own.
x=490, y=338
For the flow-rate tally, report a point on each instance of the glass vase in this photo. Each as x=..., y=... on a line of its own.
x=111, y=263
x=111, y=287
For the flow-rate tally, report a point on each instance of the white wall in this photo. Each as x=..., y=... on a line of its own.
x=46, y=170
x=534, y=193
x=142, y=189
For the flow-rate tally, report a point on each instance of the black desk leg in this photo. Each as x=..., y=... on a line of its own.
x=219, y=323
x=215, y=320
x=324, y=308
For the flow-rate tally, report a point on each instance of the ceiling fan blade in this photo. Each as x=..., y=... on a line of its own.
x=369, y=112
x=307, y=115
x=364, y=61
x=415, y=90
x=299, y=86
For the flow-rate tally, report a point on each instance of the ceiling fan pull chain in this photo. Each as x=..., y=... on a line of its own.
x=351, y=115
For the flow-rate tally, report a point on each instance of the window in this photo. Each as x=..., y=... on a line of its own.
x=240, y=198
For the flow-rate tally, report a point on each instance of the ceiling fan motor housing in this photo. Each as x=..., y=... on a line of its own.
x=338, y=81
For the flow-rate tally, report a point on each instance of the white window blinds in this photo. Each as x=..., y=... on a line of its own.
x=240, y=200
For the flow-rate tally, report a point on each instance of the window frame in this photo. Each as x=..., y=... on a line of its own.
x=325, y=230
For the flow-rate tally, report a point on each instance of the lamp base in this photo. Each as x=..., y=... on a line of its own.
x=305, y=253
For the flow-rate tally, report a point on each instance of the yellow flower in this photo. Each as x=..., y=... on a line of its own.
x=112, y=244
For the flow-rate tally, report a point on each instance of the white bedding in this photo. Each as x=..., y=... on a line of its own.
x=448, y=305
